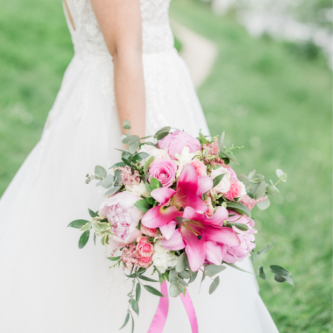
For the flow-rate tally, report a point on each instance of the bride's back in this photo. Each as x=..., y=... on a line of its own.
x=88, y=39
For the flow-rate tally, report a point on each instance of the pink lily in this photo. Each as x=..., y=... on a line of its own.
x=188, y=193
x=203, y=238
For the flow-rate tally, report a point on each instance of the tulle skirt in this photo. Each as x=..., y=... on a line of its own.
x=48, y=285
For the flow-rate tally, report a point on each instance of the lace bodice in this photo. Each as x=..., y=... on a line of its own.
x=87, y=37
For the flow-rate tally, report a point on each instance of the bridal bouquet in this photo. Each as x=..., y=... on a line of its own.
x=176, y=204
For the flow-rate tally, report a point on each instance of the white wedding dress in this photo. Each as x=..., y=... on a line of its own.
x=48, y=285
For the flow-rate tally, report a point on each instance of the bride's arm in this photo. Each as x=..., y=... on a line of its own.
x=120, y=22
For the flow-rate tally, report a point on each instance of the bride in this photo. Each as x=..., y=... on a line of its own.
x=124, y=67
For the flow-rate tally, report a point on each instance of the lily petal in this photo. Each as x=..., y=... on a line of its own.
x=213, y=253
x=194, y=249
x=216, y=220
x=175, y=243
x=204, y=184
x=159, y=216
x=186, y=198
x=162, y=195
x=167, y=230
x=188, y=179
x=222, y=235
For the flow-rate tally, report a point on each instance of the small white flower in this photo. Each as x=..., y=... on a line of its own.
x=139, y=189
x=224, y=185
x=163, y=258
x=184, y=158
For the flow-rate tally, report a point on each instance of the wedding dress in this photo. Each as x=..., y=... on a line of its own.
x=48, y=285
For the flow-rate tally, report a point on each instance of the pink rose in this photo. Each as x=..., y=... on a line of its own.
x=144, y=262
x=164, y=171
x=235, y=190
x=145, y=248
x=199, y=167
x=236, y=253
x=210, y=211
x=175, y=142
x=150, y=232
x=120, y=211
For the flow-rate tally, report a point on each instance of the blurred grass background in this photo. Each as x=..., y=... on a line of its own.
x=268, y=95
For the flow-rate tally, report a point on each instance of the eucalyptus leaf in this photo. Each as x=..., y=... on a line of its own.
x=172, y=274
x=181, y=263
x=139, y=156
x=244, y=179
x=217, y=179
x=117, y=177
x=174, y=291
x=108, y=181
x=212, y=270
x=252, y=173
x=276, y=269
x=271, y=190
x=100, y=172
x=126, y=321
x=119, y=164
x=127, y=125
x=185, y=274
x=132, y=330
x=138, y=292
x=267, y=248
x=263, y=204
x=160, y=134
x=112, y=190
x=142, y=277
x=78, y=224
x=214, y=285
x=135, y=306
x=133, y=146
x=254, y=256
x=153, y=290
x=84, y=239
x=259, y=190
x=131, y=138
x=261, y=272
x=193, y=276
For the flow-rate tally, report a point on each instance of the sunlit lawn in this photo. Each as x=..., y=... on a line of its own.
x=267, y=98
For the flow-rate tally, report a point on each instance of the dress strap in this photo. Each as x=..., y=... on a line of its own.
x=70, y=17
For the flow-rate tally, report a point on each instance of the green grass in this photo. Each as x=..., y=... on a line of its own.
x=263, y=94
x=278, y=105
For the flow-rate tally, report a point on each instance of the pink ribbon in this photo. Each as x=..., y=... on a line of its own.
x=161, y=314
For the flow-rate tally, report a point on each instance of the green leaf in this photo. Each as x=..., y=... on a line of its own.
x=160, y=134
x=279, y=270
x=114, y=258
x=87, y=226
x=139, y=156
x=241, y=226
x=92, y=213
x=193, y=276
x=267, y=248
x=119, y=164
x=148, y=163
x=130, y=138
x=126, y=125
x=142, y=205
x=281, y=279
x=214, y=285
x=126, y=321
x=254, y=256
x=263, y=204
x=84, y=239
x=138, y=292
x=134, y=144
x=239, y=208
x=185, y=274
x=100, y=172
x=217, y=179
x=172, y=274
x=117, y=177
x=244, y=179
x=153, y=290
x=259, y=190
x=135, y=306
x=282, y=176
x=155, y=183
x=142, y=277
x=108, y=181
x=132, y=331
x=252, y=173
x=181, y=263
x=261, y=272
x=148, y=187
x=212, y=270
x=94, y=238
x=238, y=268
x=78, y=224
x=174, y=291
x=112, y=190
x=126, y=161
x=271, y=190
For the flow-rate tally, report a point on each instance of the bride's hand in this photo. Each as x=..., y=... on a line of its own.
x=120, y=23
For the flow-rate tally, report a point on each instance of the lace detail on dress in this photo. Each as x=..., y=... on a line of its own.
x=88, y=39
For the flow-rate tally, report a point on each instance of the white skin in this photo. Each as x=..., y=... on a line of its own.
x=120, y=23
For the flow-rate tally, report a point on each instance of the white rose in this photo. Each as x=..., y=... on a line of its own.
x=224, y=185
x=139, y=189
x=243, y=191
x=158, y=154
x=163, y=258
x=184, y=158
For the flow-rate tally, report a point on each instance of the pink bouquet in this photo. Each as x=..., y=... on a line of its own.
x=177, y=205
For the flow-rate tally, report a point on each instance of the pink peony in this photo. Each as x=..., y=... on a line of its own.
x=231, y=254
x=199, y=167
x=235, y=190
x=164, y=171
x=120, y=211
x=175, y=142
x=145, y=248
x=150, y=232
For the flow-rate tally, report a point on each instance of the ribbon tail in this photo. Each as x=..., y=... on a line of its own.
x=161, y=314
x=188, y=305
